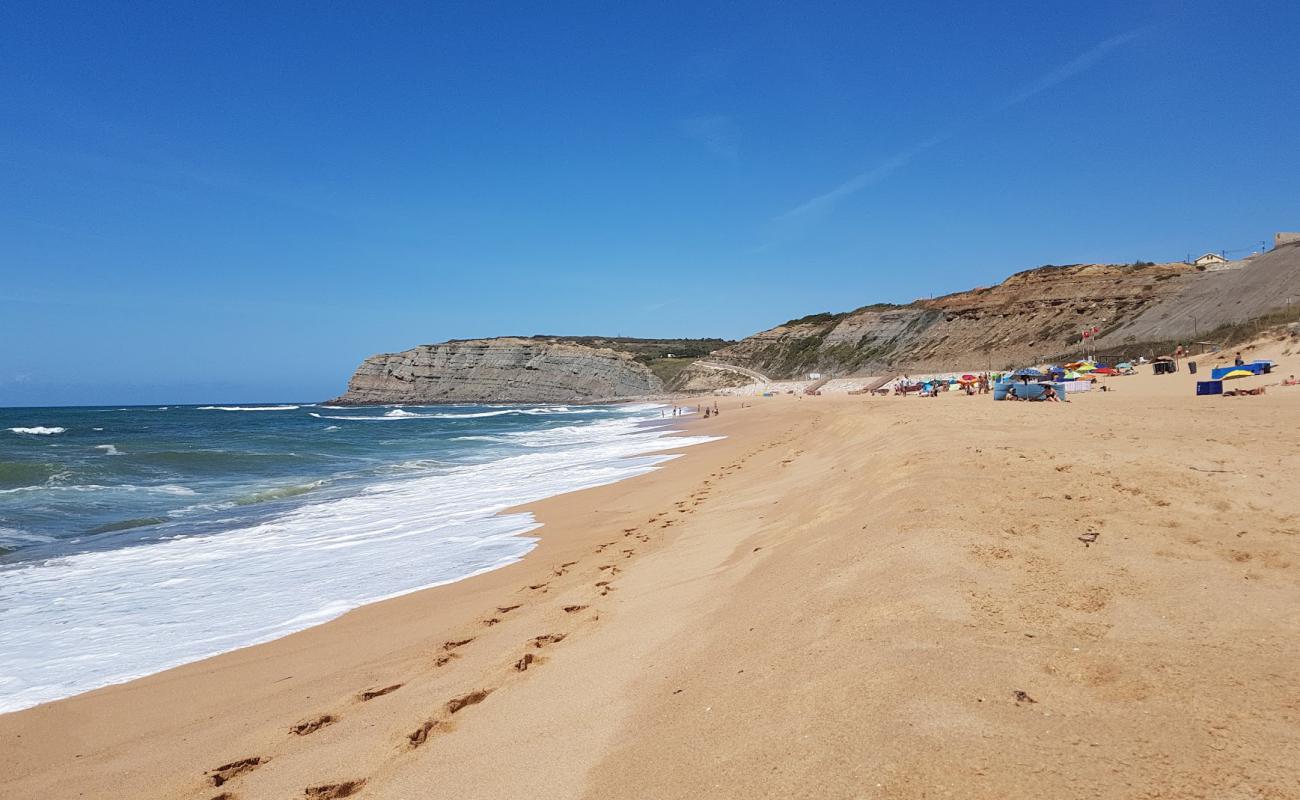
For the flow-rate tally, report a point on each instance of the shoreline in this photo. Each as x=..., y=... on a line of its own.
x=780, y=614
x=595, y=462
x=551, y=515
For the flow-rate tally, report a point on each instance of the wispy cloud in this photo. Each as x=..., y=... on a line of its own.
x=717, y=132
x=660, y=306
x=824, y=203
x=1068, y=70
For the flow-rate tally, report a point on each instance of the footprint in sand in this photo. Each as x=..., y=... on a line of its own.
x=314, y=724
x=547, y=639
x=420, y=735
x=472, y=699
x=507, y=609
x=455, y=643
x=574, y=609
x=445, y=659
x=333, y=791
x=371, y=694
x=226, y=772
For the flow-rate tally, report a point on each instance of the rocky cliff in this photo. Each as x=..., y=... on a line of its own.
x=507, y=370
x=1034, y=315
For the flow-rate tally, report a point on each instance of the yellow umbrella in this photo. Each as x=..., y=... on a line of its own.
x=1085, y=368
x=1238, y=373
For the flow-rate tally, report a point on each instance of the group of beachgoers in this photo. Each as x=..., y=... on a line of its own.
x=699, y=409
x=969, y=384
x=1048, y=394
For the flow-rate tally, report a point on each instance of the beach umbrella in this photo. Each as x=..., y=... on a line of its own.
x=1071, y=375
x=1238, y=373
x=1105, y=371
x=1084, y=368
x=1030, y=372
x=969, y=377
x=1123, y=365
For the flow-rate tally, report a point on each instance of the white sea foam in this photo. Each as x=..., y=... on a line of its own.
x=39, y=430
x=52, y=486
x=332, y=427
x=248, y=408
x=83, y=621
x=401, y=413
x=12, y=537
x=109, y=450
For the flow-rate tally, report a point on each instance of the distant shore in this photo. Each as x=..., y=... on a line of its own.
x=848, y=596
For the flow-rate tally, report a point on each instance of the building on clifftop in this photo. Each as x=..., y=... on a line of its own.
x=1210, y=260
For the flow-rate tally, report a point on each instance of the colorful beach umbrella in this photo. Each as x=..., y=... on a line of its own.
x=1238, y=373
x=1123, y=365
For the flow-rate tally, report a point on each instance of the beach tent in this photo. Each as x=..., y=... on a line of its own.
x=1238, y=373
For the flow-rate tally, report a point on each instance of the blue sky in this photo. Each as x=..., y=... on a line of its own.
x=234, y=202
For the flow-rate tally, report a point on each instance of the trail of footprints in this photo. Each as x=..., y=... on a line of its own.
x=442, y=722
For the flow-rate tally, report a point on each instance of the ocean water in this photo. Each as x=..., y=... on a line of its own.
x=137, y=539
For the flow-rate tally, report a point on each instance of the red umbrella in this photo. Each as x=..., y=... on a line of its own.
x=1105, y=371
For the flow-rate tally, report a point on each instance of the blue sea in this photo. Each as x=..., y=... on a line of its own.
x=137, y=539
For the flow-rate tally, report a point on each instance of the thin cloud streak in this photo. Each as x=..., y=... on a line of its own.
x=1068, y=70
x=825, y=203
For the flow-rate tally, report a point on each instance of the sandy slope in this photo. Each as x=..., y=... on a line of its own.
x=848, y=597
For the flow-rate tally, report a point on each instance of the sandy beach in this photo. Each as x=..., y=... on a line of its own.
x=846, y=597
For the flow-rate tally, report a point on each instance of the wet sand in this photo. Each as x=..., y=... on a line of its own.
x=847, y=597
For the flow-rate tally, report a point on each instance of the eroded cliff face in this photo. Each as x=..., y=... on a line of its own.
x=503, y=370
x=1031, y=315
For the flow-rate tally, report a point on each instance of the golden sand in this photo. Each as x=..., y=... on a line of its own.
x=847, y=597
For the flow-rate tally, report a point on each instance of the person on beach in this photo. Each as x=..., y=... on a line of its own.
x=1238, y=362
x=1049, y=394
x=1290, y=381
